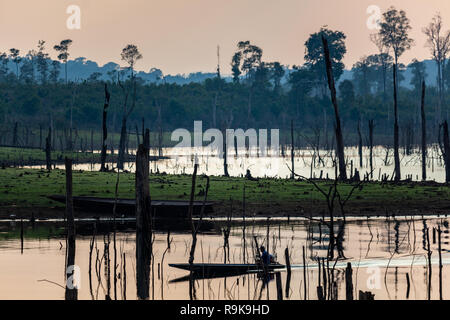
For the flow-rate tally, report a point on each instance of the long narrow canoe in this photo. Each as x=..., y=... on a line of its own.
x=161, y=208
x=213, y=269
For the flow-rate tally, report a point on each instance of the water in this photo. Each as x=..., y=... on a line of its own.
x=370, y=245
x=181, y=160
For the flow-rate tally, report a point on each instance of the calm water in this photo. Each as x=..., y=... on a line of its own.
x=182, y=160
x=381, y=251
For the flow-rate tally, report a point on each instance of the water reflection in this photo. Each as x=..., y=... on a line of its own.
x=389, y=257
x=308, y=163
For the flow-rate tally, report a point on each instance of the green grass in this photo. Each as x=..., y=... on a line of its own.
x=28, y=155
x=29, y=188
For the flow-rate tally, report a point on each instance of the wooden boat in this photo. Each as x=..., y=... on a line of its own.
x=162, y=209
x=211, y=269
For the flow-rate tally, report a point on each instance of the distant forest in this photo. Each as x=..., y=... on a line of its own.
x=37, y=92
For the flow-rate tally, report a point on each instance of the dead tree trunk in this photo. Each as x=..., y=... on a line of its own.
x=48, y=149
x=371, y=127
x=349, y=282
x=360, y=145
x=424, y=134
x=15, y=139
x=396, y=129
x=122, y=144
x=339, y=138
x=446, y=151
x=71, y=285
x=143, y=223
x=105, y=130
x=292, y=152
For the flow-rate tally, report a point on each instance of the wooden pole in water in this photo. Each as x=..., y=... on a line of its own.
x=304, y=273
x=279, y=286
x=440, y=262
x=349, y=282
x=407, y=286
x=71, y=289
x=288, y=276
x=21, y=236
x=429, y=263
x=143, y=223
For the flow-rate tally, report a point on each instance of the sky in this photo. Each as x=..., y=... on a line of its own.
x=181, y=36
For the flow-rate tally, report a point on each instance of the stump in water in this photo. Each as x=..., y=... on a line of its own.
x=366, y=295
x=143, y=223
x=349, y=282
x=71, y=288
x=279, y=286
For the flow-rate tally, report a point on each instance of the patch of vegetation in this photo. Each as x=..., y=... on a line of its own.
x=29, y=188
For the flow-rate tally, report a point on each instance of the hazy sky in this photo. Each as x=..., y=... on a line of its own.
x=181, y=36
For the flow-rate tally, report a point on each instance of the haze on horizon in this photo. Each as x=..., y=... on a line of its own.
x=180, y=36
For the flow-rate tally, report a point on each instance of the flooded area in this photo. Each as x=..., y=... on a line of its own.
x=307, y=162
x=389, y=258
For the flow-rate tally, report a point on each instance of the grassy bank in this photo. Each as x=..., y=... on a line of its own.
x=12, y=156
x=24, y=190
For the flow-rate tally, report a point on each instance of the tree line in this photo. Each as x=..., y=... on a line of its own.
x=262, y=94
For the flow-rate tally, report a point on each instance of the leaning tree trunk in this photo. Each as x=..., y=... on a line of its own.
x=396, y=143
x=339, y=138
x=105, y=130
x=424, y=135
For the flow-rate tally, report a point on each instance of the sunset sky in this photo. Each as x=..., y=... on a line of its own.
x=181, y=36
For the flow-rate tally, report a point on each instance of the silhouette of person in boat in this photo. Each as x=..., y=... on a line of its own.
x=266, y=258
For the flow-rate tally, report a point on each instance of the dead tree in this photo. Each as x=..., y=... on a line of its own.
x=445, y=149
x=339, y=138
x=71, y=289
x=360, y=145
x=126, y=113
x=292, y=151
x=48, y=149
x=195, y=228
x=15, y=138
x=396, y=131
x=105, y=129
x=424, y=134
x=371, y=127
x=143, y=223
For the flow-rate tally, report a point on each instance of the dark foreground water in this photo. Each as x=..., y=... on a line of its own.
x=382, y=253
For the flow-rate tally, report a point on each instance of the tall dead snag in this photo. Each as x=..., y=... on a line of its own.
x=292, y=152
x=440, y=260
x=360, y=145
x=339, y=138
x=371, y=127
x=424, y=134
x=143, y=223
x=48, y=149
x=195, y=228
x=71, y=289
x=130, y=54
x=105, y=129
x=396, y=130
x=445, y=149
x=349, y=282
